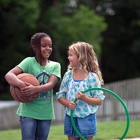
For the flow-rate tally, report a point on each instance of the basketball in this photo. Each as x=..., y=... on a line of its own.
x=17, y=94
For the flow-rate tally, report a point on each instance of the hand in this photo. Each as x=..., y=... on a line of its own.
x=72, y=105
x=28, y=90
x=80, y=96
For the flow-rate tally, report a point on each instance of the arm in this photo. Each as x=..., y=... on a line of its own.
x=30, y=89
x=69, y=104
x=49, y=85
x=12, y=79
x=96, y=97
x=89, y=100
x=61, y=94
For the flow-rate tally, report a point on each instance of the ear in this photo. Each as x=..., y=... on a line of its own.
x=34, y=47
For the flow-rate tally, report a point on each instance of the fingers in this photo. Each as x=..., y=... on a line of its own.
x=78, y=95
x=27, y=84
x=27, y=87
x=72, y=105
x=26, y=90
x=28, y=95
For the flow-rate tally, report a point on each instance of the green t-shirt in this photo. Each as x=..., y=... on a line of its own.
x=42, y=107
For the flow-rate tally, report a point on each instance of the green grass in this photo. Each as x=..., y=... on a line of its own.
x=106, y=131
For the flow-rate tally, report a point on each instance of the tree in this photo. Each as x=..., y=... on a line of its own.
x=120, y=47
x=17, y=22
x=81, y=24
x=65, y=25
x=121, y=40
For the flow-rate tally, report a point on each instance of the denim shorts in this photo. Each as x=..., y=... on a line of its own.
x=33, y=129
x=86, y=126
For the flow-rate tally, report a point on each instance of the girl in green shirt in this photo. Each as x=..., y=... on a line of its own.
x=36, y=116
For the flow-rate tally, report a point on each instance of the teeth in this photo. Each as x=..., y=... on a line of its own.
x=47, y=52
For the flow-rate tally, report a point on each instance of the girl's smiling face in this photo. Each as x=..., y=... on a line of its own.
x=46, y=47
x=73, y=59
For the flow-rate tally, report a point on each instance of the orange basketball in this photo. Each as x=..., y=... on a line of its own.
x=16, y=93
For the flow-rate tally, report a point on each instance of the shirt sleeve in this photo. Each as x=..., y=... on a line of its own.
x=95, y=83
x=57, y=71
x=62, y=90
x=25, y=64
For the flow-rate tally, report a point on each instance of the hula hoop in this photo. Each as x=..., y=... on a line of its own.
x=118, y=98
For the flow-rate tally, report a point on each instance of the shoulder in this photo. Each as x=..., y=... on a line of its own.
x=29, y=59
x=93, y=76
x=54, y=63
x=27, y=63
x=68, y=73
x=93, y=80
x=67, y=76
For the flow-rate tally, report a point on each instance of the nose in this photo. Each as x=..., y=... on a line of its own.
x=48, y=48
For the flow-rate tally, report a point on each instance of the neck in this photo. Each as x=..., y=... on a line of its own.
x=79, y=70
x=79, y=74
x=42, y=62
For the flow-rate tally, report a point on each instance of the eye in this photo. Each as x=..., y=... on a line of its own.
x=45, y=45
x=50, y=46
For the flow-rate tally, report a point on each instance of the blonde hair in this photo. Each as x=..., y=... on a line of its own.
x=87, y=58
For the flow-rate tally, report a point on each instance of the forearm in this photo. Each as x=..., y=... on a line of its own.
x=64, y=102
x=92, y=101
x=13, y=80
x=48, y=86
x=44, y=88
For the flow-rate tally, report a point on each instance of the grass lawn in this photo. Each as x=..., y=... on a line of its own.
x=105, y=131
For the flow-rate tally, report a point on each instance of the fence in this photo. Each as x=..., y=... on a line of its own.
x=129, y=92
x=111, y=109
x=8, y=117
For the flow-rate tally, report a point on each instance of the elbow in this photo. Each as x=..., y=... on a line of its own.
x=52, y=84
x=5, y=76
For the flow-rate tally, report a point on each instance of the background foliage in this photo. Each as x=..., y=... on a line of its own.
x=112, y=27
